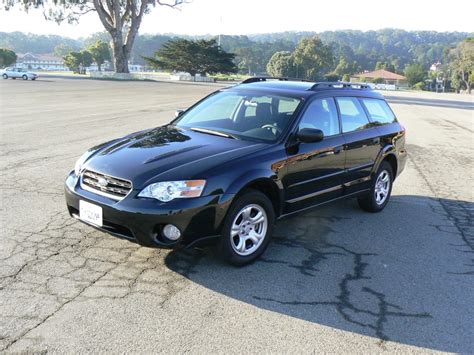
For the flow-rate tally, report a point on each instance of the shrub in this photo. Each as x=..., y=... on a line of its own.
x=419, y=86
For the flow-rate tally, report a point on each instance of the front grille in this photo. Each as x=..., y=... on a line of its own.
x=105, y=185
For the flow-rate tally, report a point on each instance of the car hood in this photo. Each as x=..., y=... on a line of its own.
x=166, y=153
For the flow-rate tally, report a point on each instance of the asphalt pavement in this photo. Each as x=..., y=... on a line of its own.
x=334, y=279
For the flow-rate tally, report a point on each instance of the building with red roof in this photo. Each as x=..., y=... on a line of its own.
x=388, y=77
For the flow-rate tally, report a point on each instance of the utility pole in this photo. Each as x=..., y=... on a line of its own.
x=220, y=31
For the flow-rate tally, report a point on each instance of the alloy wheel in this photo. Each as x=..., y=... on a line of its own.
x=248, y=229
x=382, y=187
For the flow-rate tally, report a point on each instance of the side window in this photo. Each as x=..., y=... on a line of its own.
x=353, y=116
x=321, y=114
x=379, y=111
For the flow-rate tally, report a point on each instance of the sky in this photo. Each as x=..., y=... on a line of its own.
x=201, y=17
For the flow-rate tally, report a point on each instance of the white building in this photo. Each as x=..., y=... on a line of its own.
x=436, y=66
x=40, y=62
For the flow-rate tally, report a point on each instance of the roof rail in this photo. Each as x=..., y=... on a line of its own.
x=256, y=79
x=340, y=85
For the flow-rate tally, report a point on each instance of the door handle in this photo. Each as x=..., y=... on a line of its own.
x=339, y=149
x=376, y=140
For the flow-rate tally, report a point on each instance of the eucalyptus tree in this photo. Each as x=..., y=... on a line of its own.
x=120, y=18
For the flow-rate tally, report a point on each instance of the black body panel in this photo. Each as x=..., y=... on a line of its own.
x=298, y=175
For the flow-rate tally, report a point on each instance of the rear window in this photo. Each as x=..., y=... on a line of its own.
x=379, y=111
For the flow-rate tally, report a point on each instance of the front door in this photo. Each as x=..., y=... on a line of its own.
x=315, y=170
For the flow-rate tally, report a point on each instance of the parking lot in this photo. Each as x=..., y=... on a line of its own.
x=335, y=279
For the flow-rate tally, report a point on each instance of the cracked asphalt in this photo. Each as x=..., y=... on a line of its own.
x=335, y=279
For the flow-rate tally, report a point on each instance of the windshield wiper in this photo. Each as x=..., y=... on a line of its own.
x=215, y=133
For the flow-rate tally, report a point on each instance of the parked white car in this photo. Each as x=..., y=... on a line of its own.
x=18, y=73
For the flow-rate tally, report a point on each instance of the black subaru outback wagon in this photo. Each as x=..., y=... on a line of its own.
x=228, y=167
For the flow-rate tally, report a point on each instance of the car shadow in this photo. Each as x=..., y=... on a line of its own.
x=401, y=275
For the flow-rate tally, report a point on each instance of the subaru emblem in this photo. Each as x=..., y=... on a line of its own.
x=102, y=182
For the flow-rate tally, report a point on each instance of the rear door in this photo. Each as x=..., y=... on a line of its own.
x=315, y=170
x=362, y=144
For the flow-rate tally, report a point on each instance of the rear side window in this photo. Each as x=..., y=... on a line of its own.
x=353, y=116
x=379, y=111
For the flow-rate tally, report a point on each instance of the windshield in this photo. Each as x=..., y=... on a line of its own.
x=241, y=115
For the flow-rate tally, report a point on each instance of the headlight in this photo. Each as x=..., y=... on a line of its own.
x=81, y=161
x=169, y=190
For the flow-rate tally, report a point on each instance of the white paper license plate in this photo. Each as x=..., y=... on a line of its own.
x=90, y=213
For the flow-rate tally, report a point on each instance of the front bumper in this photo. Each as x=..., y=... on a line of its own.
x=141, y=220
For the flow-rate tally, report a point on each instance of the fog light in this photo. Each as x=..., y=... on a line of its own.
x=171, y=232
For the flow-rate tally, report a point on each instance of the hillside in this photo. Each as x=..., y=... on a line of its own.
x=396, y=48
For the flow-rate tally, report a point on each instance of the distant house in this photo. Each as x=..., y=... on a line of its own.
x=388, y=77
x=40, y=62
x=436, y=83
x=436, y=66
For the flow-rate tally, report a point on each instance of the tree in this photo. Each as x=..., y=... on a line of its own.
x=86, y=60
x=202, y=56
x=248, y=59
x=385, y=65
x=73, y=61
x=281, y=64
x=345, y=67
x=62, y=49
x=7, y=57
x=100, y=52
x=121, y=19
x=415, y=73
x=213, y=59
x=78, y=61
x=462, y=65
x=312, y=56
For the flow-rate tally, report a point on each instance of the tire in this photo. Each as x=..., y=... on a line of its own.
x=5, y=76
x=33, y=79
x=248, y=240
x=379, y=195
x=25, y=77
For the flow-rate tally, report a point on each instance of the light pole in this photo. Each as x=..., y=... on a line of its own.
x=220, y=30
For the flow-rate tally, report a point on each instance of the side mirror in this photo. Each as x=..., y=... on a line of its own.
x=310, y=135
x=178, y=113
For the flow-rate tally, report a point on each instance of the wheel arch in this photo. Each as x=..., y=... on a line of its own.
x=388, y=154
x=392, y=160
x=265, y=183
